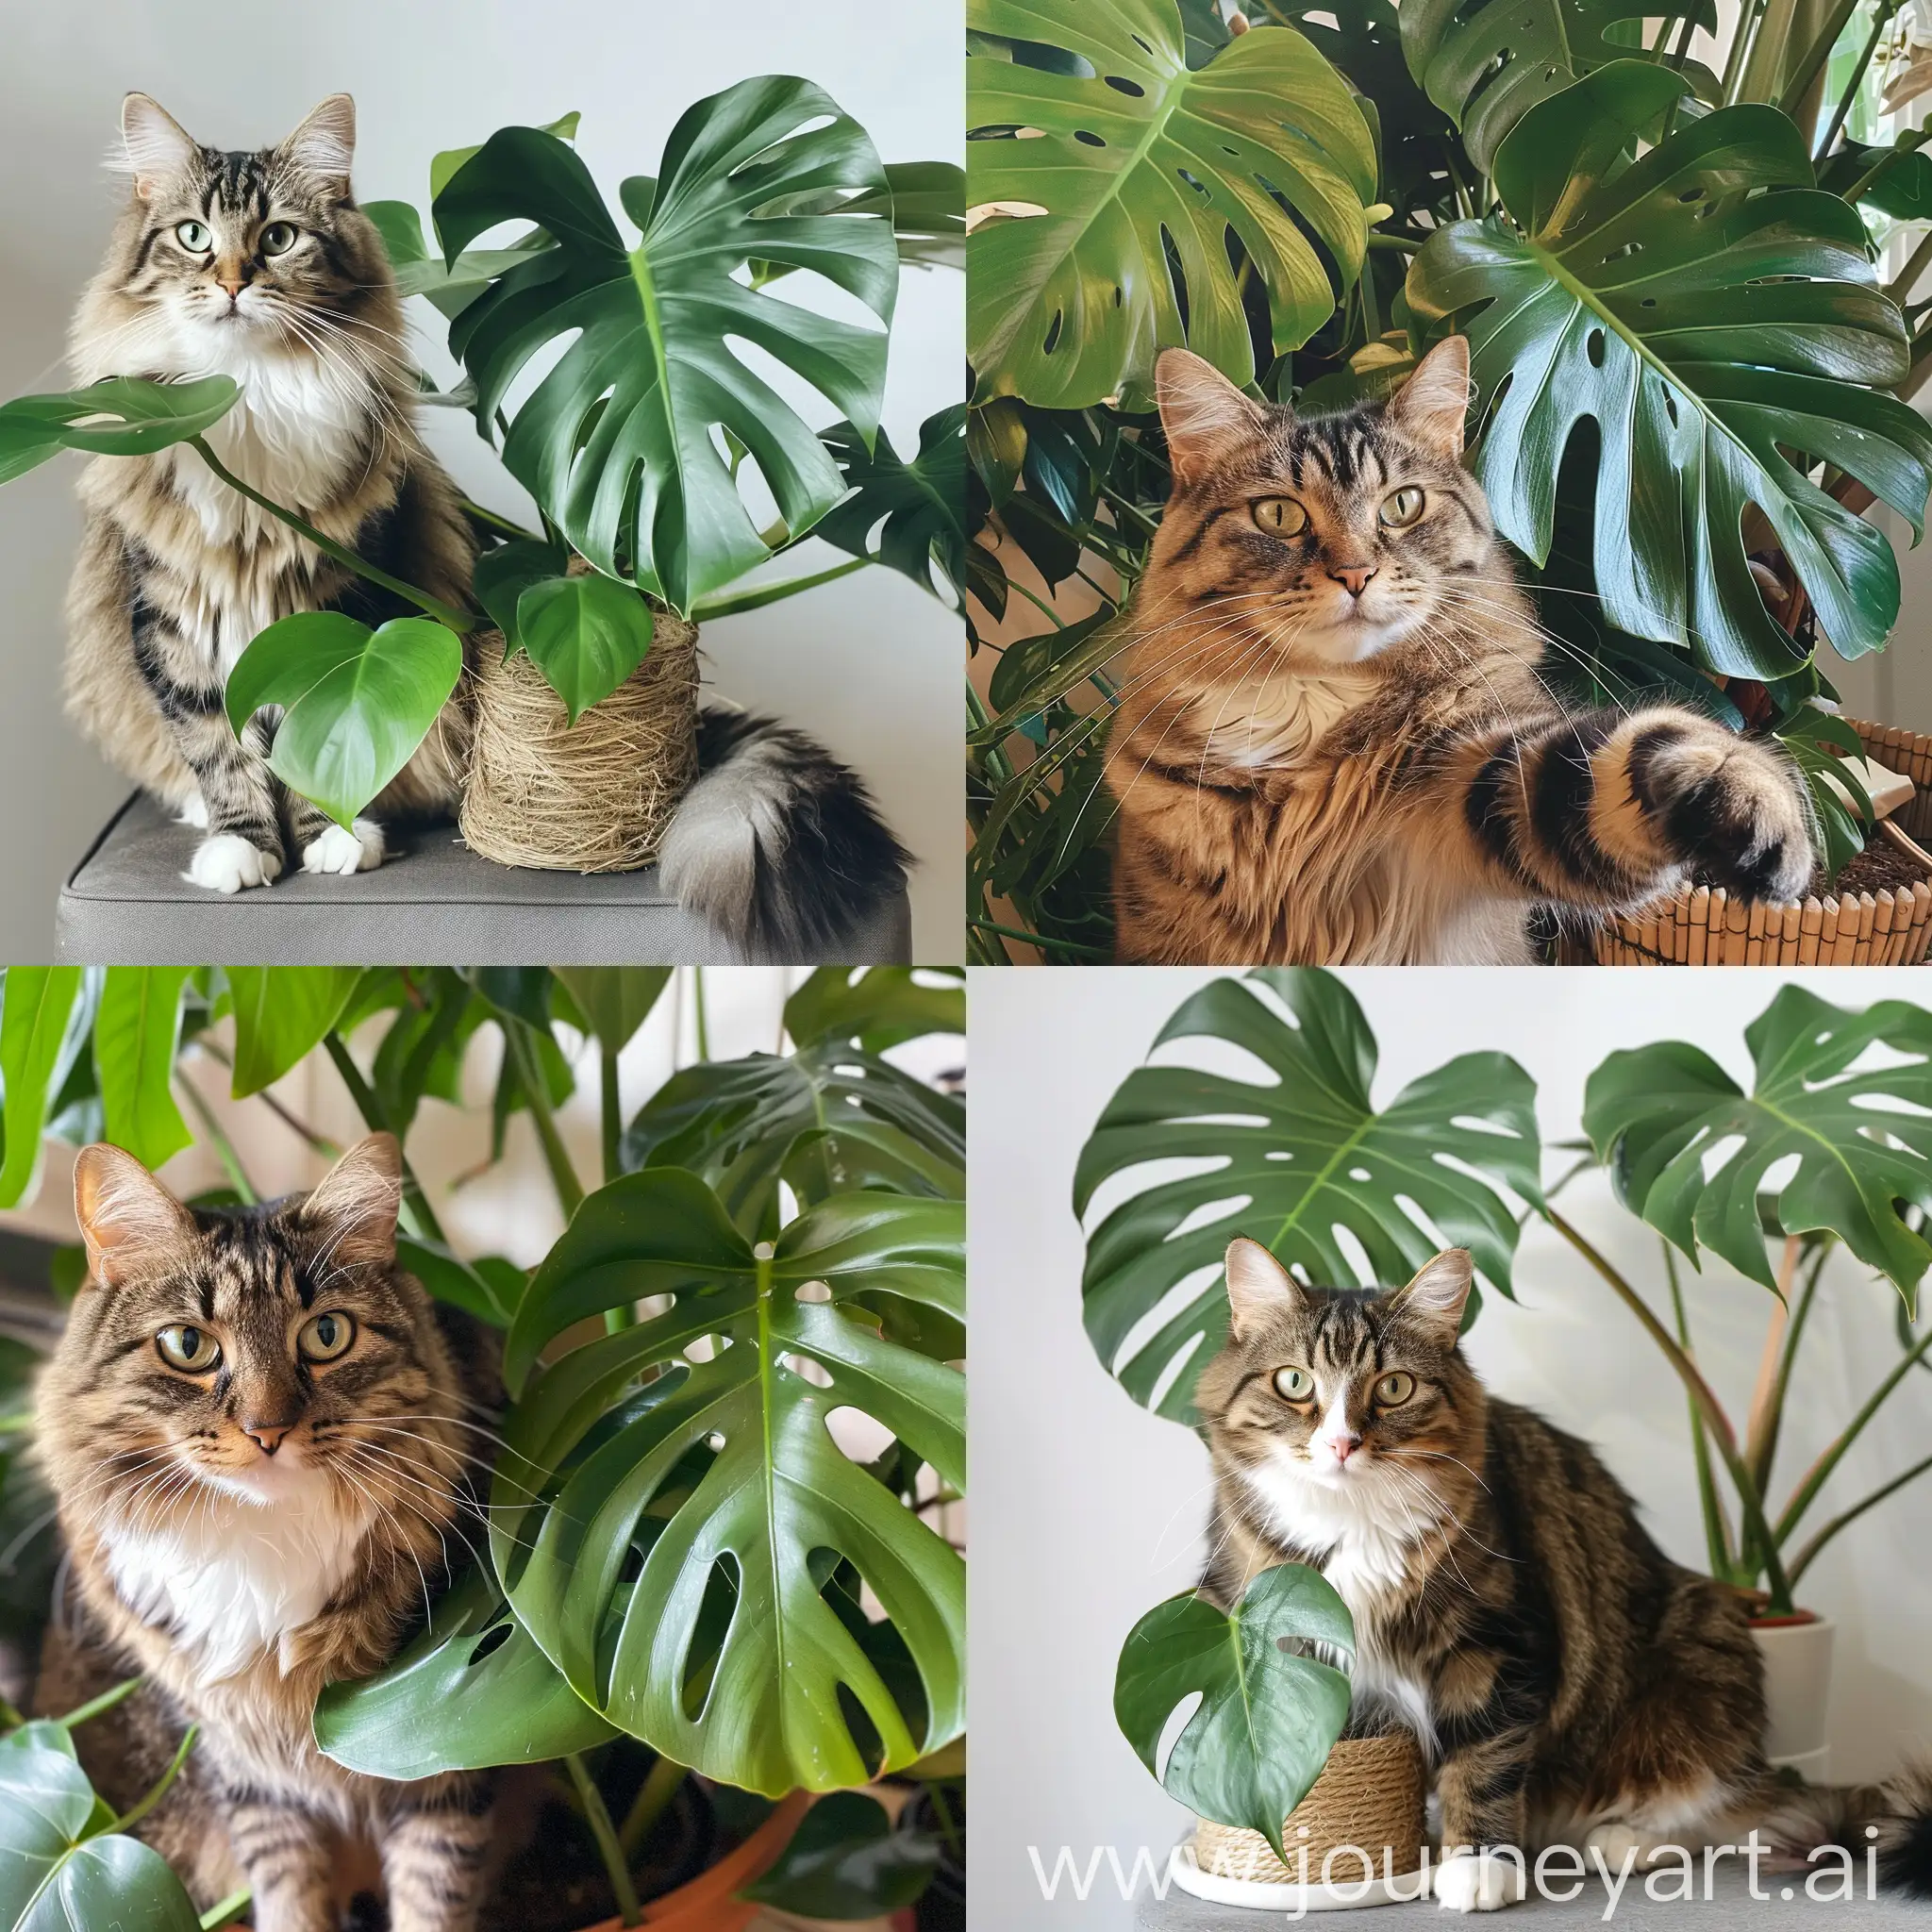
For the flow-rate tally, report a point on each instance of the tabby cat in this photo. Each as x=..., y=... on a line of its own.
x=255, y=1426
x=261, y=266
x=1569, y=1682
x=1335, y=743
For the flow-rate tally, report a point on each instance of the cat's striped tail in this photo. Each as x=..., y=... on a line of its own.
x=777, y=845
x=1893, y=1820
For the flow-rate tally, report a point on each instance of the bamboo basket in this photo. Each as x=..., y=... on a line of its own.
x=1706, y=926
x=1368, y=1799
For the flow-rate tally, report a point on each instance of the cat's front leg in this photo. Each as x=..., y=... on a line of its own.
x=325, y=847
x=289, y=1857
x=242, y=846
x=1484, y=1820
x=434, y=1852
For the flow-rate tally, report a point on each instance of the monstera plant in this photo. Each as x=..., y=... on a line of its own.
x=1825, y=1150
x=638, y=439
x=714, y=1581
x=1691, y=376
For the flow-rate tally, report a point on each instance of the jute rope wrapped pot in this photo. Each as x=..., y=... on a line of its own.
x=1701, y=926
x=592, y=796
x=1369, y=1797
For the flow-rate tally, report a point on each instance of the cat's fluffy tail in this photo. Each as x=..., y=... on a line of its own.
x=778, y=845
x=1894, y=1819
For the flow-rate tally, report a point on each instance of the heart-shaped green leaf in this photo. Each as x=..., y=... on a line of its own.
x=356, y=701
x=845, y=1861
x=616, y=440
x=1100, y=164
x=1288, y=1163
x=1660, y=1115
x=586, y=634
x=1712, y=312
x=907, y=516
x=721, y=1473
x=614, y=1000
x=1269, y=1713
x=504, y=574
x=125, y=416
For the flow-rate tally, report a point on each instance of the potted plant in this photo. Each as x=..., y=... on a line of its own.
x=1352, y=1169
x=771, y=1611
x=645, y=523
x=1379, y=179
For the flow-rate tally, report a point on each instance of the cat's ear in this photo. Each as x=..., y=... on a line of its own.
x=127, y=1219
x=157, y=147
x=1201, y=411
x=1431, y=406
x=325, y=143
x=1259, y=1289
x=355, y=1204
x=1435, y=1300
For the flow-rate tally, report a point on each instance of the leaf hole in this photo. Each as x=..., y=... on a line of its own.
x=1121, y=85
x=811, y=1292
x=1086, y=138
x=709, y=1634
x=1690, y=194
x=1594, y=347
x=491, y=1640
x=1053, y=333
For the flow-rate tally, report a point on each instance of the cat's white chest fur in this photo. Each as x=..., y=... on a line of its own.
x=1276, y=720
x=234, y=1579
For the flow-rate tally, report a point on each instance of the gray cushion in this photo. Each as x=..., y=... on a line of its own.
x=434, y=900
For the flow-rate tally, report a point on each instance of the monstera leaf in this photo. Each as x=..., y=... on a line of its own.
x=125, y=416
x=906, y=515
x=1714, y=313
x=1269, y=1712
x=1690, y=1151
x=1487, y=65
x=1291, y=1162
x=1070, y=291
x=618, y=441
x=686, y=1464
x=876, y=1007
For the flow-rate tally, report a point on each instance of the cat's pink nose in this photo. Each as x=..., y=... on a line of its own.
x=234, y=284
x=267, y=1436
x=1353, y=576
x=1344, y=1446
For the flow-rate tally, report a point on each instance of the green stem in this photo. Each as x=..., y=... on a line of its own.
x=605, y=1834
x=612, y=1097
x=218, y=1137
x=1749, y=1503
x=472, y=508
x=1749, y=13
x=1037, y=938
x=756, y=598
x=563, y=1176
x=659, y=1787
x=457, y=619
x=1775, y=1408
x=1881, y=19
x=700, y=1022
x=227, y=1911
x=1716, y=1532
x=949, y=1825
x=11, y=1719
x=1792, y=92
x=99, y=1706
x=317, y=1144
x=128, y=1820
x=416, y=1205
x=1803, y=1560
x=1039, y=604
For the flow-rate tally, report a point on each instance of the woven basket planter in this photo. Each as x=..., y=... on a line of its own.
x=1368, y=1799
x=592, y=796
x=1701, y=926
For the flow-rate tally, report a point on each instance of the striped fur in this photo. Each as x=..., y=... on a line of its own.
x=189, y=1539
x=1335, y=743
x=176, y=572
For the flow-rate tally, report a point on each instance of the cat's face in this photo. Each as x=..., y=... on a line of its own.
x=1323, y=540
x=1331, y=1399
x=272, y=1355
x=237, y=254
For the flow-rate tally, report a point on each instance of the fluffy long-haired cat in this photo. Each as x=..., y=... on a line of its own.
x=260, y=266
x=1335, y=743
x=1570, y=1684
x=255, y=1425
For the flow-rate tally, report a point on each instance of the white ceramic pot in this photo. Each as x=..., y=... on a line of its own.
x=1797, y=1687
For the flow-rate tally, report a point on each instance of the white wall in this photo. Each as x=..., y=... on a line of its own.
x=868, y=663
x=1090, y=1510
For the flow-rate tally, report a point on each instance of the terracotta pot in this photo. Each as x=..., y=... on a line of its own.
x=706, y=1904
x=1797, y=1686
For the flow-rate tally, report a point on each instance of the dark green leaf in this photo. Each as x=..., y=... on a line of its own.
x=916, y=511
x=125, y=416
x=586, y=634
x=614, y=1000
x=1902, y=190
x=878, y=1007
x=450, y=1278
x=504, y=574
x=845, y=1861
x=356, y=701
x=401, y=228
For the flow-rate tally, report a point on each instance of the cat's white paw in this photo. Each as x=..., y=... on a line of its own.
x=194, y=812
x=1472, y=1882
x=344, y=853
x=226, y=862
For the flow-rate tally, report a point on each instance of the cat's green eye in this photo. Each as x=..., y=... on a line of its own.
x=1403, y=509
x=1294, y=1385
x=1281, y=516
x=326, y=1337
x=1393, y=1391
x=183, y=1346
x=194, y=237
x=278, y=238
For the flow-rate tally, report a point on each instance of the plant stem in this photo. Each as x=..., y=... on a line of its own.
x=563, y=1176
x=611, y=1094
x=317, y=1144
x=98, y=1706
x=128, y=1820
x=949, y=1825
x=602, y=1830
x=1881, y=19
x=218, y=1139
x=1803, y=1560
x=1037, y=938
x=1760, y=1424
x=1806, y=71
x=376, y=1117
x=472, y=507
x=1915, y=266
x=227, y=1911
x=761, y=594
x=1717, y=1530
x=659, y=1787
x=457, y=619
x=699, y=1022
x=1761, y=1469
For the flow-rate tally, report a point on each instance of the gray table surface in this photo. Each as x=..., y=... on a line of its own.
x=126, y=904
